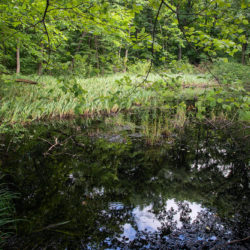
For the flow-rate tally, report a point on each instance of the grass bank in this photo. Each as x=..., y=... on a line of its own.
x=21, y=102
x=69, y=96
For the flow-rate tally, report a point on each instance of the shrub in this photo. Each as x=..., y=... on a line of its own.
x=230, y=72
x=181, y=67
x=140, y=67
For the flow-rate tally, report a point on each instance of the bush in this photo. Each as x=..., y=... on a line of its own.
x=140, y=67
x=230, y=72
x=181, y=67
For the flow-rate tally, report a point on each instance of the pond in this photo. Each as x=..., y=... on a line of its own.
x=131, y=181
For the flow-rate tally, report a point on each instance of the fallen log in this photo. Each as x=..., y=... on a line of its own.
x=26, y=81
x=5, y=73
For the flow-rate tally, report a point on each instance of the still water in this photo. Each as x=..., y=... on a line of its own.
x=132, y=181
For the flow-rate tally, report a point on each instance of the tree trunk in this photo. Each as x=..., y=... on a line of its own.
x=26, y=81
x=40, y=68
x=18, y=67
x=119, y=52
x=40, y=64
x=126, y=56
x=97, y=55
x=179, y=52
x=125, y=61
x=243, y=54
x=162, y=37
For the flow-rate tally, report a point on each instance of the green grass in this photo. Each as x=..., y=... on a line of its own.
x=21, y=102
x=24, y=103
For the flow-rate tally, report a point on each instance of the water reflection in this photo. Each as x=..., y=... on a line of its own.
x=146, y=220
x=116, y=190
x=180, y=224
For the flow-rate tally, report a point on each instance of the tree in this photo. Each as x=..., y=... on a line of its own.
x=118, y=32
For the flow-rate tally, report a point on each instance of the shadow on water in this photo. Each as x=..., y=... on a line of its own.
x=128, y=182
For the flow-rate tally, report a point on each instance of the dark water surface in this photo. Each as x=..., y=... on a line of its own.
x=128, y=182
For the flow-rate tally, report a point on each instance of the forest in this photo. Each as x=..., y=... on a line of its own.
x=96, y=95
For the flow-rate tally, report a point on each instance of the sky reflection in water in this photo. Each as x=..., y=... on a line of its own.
x=146, y=220
x=130, y=191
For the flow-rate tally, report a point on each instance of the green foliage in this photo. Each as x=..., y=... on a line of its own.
x=232, y=102
x=140, y=67
x=181, y=67
x=230, y=72
x=3, y=68
x=103, y=37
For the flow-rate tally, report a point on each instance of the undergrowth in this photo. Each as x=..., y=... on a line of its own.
x=229, y=72
x=67, y=96
x=62, y=97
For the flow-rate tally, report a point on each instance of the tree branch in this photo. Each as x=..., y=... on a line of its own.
x=44, y=24
x=153, y=40
x=189, y=43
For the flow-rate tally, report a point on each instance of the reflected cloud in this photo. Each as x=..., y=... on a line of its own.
x=146, y=220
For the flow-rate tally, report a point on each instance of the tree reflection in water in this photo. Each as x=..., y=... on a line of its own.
x=104, y=187
x=180, y=225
